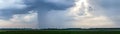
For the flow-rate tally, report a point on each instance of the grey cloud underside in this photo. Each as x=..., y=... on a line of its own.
x=111, y=7
x=37, y=5
x=40, y=6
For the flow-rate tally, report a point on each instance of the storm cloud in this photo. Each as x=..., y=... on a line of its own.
x=59, y=13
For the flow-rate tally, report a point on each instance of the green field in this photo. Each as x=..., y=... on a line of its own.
x=58, y=32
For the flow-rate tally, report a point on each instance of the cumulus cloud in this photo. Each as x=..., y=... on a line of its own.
x=59, y=13
x=21, y=21
x=61, y=19
x=11, y=7
x=81, y=15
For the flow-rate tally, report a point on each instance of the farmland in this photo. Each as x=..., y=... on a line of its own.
x=58, y=32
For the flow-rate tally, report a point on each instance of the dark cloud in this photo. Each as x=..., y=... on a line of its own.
x=37, y=5
x=41, y=6
x=60, y=7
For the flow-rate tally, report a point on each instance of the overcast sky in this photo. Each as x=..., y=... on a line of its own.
x=54, y=14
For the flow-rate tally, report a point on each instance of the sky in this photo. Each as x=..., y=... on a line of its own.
x=59, y=13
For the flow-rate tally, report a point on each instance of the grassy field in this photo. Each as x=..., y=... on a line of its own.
x=58, y=32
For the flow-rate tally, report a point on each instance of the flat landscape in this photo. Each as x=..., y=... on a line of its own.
x=57, y=32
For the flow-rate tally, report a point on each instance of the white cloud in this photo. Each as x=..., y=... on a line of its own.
x=21, y=21
x=60, y=19
x=73, y=18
